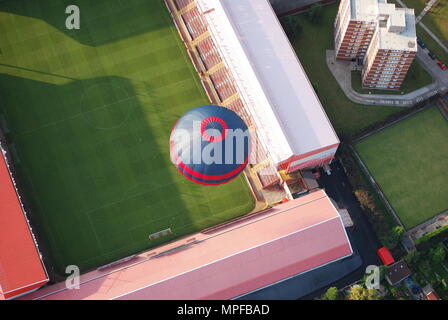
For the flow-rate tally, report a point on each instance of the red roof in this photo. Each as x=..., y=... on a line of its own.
x=385, y=256
x=227, y=261
x=21, y=269
x=432, y=296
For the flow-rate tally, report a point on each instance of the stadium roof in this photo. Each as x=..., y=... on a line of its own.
x=227, y=261
x=21, y=269
x=269, y=77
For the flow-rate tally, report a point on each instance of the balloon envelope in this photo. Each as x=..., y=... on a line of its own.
x=210, y=145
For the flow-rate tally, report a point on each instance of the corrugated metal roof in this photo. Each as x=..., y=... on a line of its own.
x=289, y=239
x=20, y=264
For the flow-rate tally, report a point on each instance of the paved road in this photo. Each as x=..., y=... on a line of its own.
x=338, y=188
x=428, y=7
x=341, y=70
x=439, y=75
x=362, y=235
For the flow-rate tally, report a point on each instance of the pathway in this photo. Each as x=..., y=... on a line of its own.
x=341, y=70
x=436, y=39
x=431, y=225
x=428, y=7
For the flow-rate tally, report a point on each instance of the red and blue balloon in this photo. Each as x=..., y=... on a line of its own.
x=210, y=145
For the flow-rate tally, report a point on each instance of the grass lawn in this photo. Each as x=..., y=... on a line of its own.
x=311, y=44
x=417, y=5
x=431, y=44
x=89, y=114
x=437, y=21
x=416, y=78
x=408, y=161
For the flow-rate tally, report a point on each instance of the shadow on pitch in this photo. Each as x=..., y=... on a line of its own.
x=101, y=21
x=94, y=169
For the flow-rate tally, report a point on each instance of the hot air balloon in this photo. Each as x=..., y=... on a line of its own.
x=210, y=145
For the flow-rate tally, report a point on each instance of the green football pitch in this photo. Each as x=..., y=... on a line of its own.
x=409, y=162
x=88, y=114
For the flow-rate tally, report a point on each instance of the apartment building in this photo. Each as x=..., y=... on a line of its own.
x=392, y=49
x=381, y=35
x=354, y=28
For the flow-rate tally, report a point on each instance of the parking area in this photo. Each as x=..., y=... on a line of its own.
x=430, y=62
x=362, y=236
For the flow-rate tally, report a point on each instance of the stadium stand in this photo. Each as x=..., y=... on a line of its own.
x=21, y=267
x=218, y=84
x=208, y=53
x=194, y=23
x=223, y=83
x=180, y=4
x=239, y=48
x=228, y=262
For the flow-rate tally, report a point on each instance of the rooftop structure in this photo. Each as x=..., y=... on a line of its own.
x=381, y=35
x=397, y=272
x=21, y=269
x=396, y=27
x=364, y=10
x=225, y=262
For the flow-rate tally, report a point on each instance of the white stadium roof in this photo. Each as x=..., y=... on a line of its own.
x=269, y=77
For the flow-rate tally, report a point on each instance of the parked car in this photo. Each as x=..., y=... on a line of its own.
x=441, y=65
x=432, y=55
x=421, y=44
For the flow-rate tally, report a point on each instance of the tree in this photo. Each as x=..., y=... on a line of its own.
x=292, y=26
x=365, y=199
x=438, y=254
x=314, y=13
x=393, y=237
x=383, y=270
x=388, y=241
x=412, y=258
x=358, y=292
x=394, y=291
x=397, y=233
x=332, y=293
